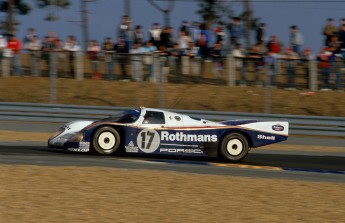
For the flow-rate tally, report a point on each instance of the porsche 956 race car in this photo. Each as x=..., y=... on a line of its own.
x=160, y=132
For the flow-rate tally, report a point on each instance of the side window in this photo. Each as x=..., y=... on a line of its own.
x=153, y=117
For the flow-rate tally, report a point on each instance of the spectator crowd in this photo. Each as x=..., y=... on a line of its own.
x=192, y=44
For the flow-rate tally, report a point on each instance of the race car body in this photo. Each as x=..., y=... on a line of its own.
x=160, y=132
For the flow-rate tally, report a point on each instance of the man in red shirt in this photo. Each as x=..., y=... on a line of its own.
x=14, y=45
x=274, y=48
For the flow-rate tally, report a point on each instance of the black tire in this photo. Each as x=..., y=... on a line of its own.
x=234, y=147
x=106, y=141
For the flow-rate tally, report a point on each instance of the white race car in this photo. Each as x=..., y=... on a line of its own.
x=154, y=131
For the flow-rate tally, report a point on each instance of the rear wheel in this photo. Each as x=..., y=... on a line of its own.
x=234, y=147
x=106, y=141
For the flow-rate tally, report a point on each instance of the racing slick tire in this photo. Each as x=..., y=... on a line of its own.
x=234, y=147
x=106, y=141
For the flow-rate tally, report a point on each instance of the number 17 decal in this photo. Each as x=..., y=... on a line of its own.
x=148, y=140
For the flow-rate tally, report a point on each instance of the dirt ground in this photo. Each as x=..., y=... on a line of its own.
x=82, y=194
x=210, y=97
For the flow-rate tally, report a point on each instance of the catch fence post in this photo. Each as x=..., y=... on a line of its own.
x=79, y=65
x=6, y=63
x=156, y=67
x=231, y=71
x=53, y=77
x=313, y=75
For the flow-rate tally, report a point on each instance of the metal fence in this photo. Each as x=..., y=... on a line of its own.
x=304, y=74
x=300, y=125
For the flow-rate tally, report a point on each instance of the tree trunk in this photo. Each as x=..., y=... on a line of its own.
x=84, y=23
x=10, y=27
x=248, y=24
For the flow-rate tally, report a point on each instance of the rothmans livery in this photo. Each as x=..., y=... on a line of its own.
x=154, y=131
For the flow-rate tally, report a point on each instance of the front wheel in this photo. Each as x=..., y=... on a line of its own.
x=106, y=141
x=234, y=147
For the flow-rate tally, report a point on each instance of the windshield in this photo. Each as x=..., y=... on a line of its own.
x=128, y=116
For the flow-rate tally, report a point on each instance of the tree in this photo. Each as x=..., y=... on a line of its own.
x=51, y=16
x=11, y=7
x=212, y=10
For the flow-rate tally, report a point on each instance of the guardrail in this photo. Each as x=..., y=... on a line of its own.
x=305, y=125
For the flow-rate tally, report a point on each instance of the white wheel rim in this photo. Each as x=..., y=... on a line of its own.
x=234, y=147
x=106, y=140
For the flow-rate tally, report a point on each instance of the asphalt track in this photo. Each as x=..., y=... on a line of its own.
x=309, y=166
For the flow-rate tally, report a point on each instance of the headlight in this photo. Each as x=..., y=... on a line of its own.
x=78, y=137
x=61, y=130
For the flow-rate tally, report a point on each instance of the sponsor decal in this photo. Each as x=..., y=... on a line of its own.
x=266, y=137
x=186, y=151
x=278, y=128
x=130, y=148
x=78, y=150
x=83, y=147
x=182, y=137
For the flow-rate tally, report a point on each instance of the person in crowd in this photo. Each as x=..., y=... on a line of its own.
x=336, y=65
x=342, y=22
x=239, y=54
x=334, y=44
x=49, y=44
x=341, y=38
x=15, y=45
x=122, y=50
x=306, y=56
x=137, y=62
x=165, y=37
x=93, y=51
x=296, y=39
x=217, y=58
x=325, y=57
x=71, y=46
x=164, y=55
x=125, y=30
x=3, y=46
x=108, y=52
x=138, y=35
x=195, y=31
x=219, y=32
x=31, y=32
x=329, y=30
x=193, y=53
x=205, y=33
x=290, y=58
x=256, y=54
x=155, y=34
x=148, y=51
x=235, y=30
x=274, y=49
x=34, y=47
x=176, y=61
x=260, y=33
x=183, y=41
x=185, y=27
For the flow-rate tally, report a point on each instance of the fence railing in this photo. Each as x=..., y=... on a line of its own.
x=303, y=74
x=299, y=125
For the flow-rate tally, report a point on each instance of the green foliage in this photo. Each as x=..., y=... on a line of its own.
x=212, y=10
x=208, y=9
x=58, y=3
x=19, y=7
x=64, y=4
